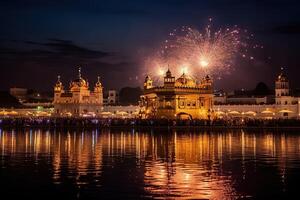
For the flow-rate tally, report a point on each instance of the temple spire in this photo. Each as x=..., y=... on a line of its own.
x=58, y=78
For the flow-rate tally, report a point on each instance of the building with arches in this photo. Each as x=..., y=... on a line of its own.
x=184, y=98
x=78, y=99
x=284, y=104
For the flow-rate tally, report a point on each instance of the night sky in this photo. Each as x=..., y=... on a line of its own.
x=40, y=39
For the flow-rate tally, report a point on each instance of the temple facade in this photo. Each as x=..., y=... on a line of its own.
x=181, y=98
x=78, y=99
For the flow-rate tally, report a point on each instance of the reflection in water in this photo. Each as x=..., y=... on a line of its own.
x=207, y=165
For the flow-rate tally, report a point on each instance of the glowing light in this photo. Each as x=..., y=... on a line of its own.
x=204, y=63
x=184, y=69
x=160, y=72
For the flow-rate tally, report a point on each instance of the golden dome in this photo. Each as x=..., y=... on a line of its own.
x=79, y=82
x=58, y=86
x=58, y=83
x=186, y=81
x=282, y=77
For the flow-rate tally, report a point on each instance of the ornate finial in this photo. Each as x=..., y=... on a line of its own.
x=98, y=78
x=79, y=72
x=58, y=78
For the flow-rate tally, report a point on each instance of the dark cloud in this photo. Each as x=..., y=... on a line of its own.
x=42, y=61
x=54, y=48
x=128, y=27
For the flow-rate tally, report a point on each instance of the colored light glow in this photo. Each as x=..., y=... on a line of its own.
x=204, y=63
x=160, y=72
x=210, y=50
x=184, y=69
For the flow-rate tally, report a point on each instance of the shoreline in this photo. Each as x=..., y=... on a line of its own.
x=148, y=124
x=152, y=128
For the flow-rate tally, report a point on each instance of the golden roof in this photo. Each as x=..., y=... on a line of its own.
x=282, y=77
x=98, y=83
x=80, y=82
x=185, y=80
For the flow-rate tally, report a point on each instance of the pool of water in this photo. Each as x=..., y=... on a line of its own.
x=160, y=164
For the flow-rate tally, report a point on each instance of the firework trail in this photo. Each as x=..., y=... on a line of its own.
x=199, y=53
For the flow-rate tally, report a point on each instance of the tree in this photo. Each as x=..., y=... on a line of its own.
x=261, y=89
x=130, y=95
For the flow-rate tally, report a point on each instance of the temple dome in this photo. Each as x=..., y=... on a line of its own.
x=58, y=85
x=282, y=77
x=148, y=78
x=80, y=82
x=185, y=80
x=98, y=83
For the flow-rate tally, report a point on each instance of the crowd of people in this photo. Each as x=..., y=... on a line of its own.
x=50, y=122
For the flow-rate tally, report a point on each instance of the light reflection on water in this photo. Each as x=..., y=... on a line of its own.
x=207, y=165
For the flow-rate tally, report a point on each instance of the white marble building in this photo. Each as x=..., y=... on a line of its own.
x=285, y=106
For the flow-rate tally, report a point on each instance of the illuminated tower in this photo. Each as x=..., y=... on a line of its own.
x=282, y=89
x=98, y=91
x=169, y=80
x=206, y=82
x=148, y=83
x=58, y=89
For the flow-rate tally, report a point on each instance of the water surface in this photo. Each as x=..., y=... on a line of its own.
x=158, y=164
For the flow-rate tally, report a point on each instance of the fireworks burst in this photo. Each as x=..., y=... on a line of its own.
x=201, y=52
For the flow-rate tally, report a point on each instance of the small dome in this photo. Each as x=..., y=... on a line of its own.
x=98, y=83
x=58, y=85
x=58, y=82
x=148, y=78
x=282, y=77
x=207, y=78
x=185, y=80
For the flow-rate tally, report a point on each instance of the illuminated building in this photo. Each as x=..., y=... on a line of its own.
x=183, y=98
x=283, y=105
x=79, y=100
x=111, y=97
x=282, y=90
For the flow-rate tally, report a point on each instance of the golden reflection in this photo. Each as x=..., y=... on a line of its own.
x=178, y=164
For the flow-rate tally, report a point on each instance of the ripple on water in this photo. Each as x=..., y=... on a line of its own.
x=199, y=165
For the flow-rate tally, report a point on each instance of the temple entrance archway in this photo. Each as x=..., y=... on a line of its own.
x=183, y=115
